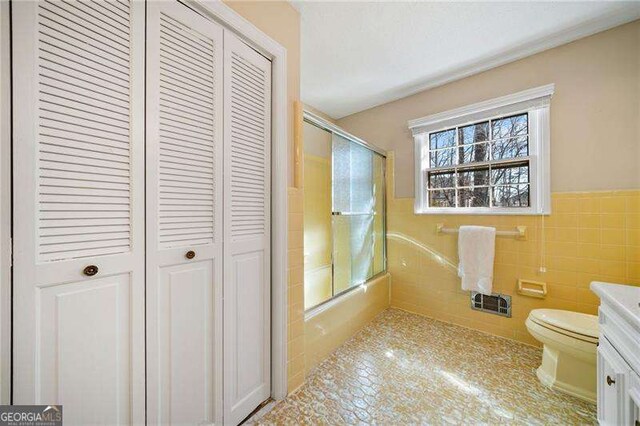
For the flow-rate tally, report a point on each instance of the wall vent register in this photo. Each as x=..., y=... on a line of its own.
x=499, y=304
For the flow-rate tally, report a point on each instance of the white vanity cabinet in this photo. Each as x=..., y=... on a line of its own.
x=618, y=354
x=613, y=377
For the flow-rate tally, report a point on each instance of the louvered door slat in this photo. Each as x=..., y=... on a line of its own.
x=51, y=46
x=71, y=147
x=59, y=87
x=92, y=9
x=76, y=17
x=98, y=109
x=55, y=19
x=103, y=7
x=90, y=111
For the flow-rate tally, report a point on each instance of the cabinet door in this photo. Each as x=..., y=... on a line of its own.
x=184, y=227
x=613, y=374
x=78, y=307
x=247, y=238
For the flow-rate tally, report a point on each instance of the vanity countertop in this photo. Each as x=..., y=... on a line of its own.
x=624, y=298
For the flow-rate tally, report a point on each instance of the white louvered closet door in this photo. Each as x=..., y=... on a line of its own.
x=184, y=216
x=247, y=193
x=78, y=321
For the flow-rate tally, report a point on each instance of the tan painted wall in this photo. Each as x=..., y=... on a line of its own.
x=331, y=327
x=595, y=131
x=281, y=21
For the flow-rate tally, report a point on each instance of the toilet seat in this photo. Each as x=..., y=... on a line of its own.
x=576, y=325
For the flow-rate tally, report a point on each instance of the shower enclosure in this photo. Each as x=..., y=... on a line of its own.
x=344, y=211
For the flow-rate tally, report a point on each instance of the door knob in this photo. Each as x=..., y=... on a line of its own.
x=190, y=254
x=610, y=381
x=90, y=270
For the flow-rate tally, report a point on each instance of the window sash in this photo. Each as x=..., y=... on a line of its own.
x=489, y=142
x=489, y=167
x=536, y=121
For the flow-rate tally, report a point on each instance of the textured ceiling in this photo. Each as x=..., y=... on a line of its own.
x=356, y=55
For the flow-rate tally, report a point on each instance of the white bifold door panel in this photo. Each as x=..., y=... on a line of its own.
x=247, y=192
x=184, y=216
x=78, y=280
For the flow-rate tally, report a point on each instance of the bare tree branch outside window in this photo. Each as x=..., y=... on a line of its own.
x=476, y=165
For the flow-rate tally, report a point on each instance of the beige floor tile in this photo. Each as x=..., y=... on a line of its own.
x=406, y=369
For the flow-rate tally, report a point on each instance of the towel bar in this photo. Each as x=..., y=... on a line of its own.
x=520, y=232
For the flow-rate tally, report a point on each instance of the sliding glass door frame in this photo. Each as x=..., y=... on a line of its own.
x=319, y=122
x=330, y=127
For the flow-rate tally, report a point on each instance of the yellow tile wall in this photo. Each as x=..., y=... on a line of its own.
x=295, y=325
x=589, y=236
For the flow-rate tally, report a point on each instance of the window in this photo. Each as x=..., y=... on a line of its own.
x=487, y=158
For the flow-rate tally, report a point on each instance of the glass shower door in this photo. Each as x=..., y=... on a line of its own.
x=344, y=216
x=357, y=216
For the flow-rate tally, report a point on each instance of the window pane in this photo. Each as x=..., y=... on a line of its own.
x=473, y=153
x=475, y=177
x=510, y=174
x=442, y=179
x=509, y=127
x=442, y=158
x=474, y=133
x=510, y=148
x=511, y=196
x=444, y=139
x=473, y=197
x=442, y=198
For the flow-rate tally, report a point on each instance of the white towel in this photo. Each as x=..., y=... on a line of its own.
x=476, y=250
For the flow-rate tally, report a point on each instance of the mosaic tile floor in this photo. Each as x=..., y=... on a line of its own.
x=406, y=369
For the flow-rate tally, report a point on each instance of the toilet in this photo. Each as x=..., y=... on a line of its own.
x=570, y=342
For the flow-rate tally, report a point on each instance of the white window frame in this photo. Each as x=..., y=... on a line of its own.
x=536, y=103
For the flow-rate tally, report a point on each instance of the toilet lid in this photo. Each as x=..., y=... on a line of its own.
x=575, y=322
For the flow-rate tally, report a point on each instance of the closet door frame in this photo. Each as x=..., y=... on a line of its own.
x=275, y=52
